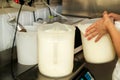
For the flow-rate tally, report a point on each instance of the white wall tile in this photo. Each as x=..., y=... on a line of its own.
x=7, y=31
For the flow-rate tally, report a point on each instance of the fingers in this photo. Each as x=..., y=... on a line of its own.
x=89, y=31
x=108, y=20
x=89, y=37
x=114, y=16
x=92, y=30
x=90, y=27
x=105, y=15
x=111, y=15
x=98, y=37
x=93, y=35
x=105, y=12
x=96, y=29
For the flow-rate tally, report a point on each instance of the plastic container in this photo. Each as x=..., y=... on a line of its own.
x=96, y=52
x=117, y=25
x=56, y=49
x=27, y=46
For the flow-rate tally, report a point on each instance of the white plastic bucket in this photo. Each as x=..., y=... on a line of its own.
x=56, y=49
x=97, y=52
x=27, y=46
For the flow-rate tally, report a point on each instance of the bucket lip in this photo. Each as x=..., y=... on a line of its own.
x=83, y=27
x=56, y=27
x=30, y=29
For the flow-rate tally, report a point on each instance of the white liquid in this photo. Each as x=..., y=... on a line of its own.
x=56, y=52
x=97, y=52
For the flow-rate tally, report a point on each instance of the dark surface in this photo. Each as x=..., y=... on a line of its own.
x=5, y=72
x=23, y=72
x=102, y=71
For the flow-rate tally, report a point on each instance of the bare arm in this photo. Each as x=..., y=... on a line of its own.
x=114, y=33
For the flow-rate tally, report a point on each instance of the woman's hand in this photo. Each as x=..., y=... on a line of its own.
x=97, y=30
x=115, y=16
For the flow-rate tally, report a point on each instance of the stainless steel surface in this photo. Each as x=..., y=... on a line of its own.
x=89, y=8
x=76, y=7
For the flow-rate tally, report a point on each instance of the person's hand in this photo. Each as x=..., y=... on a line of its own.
x=115, y=16
x=97, y=30
x=107, y=19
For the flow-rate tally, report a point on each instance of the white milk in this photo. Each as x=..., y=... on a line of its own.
x=97, y=52
x=56, y=49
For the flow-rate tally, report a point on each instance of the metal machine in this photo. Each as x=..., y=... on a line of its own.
x=89, y=8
